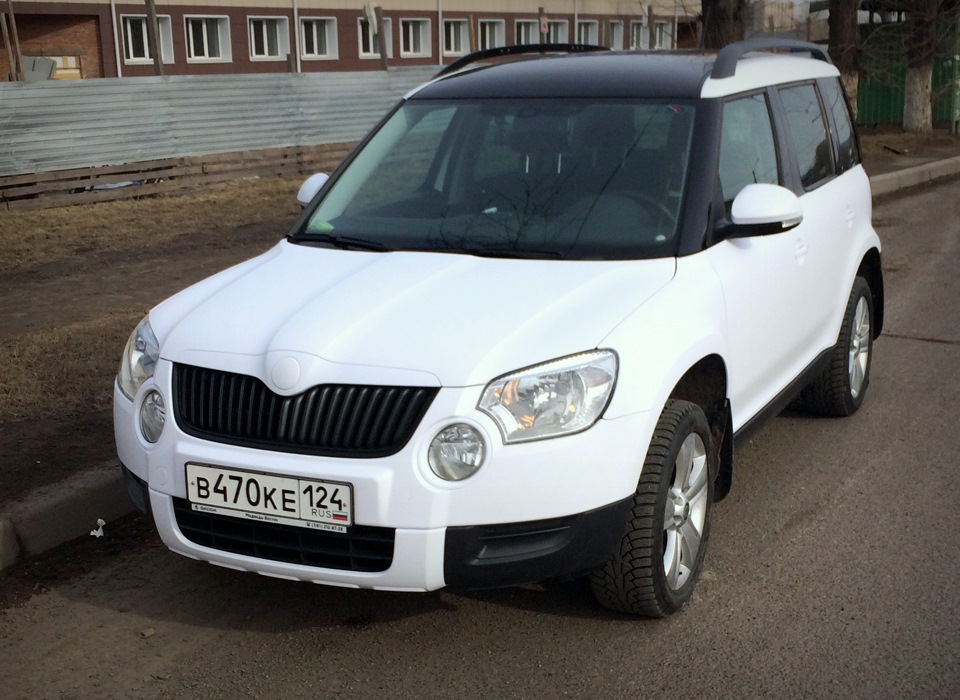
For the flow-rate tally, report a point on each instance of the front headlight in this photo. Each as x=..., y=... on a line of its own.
x=556, y=398
x=139, y=360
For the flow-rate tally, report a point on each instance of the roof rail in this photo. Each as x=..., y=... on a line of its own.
x=516, y=50
x=726, y=64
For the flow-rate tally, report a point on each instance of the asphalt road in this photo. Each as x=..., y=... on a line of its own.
x=833, y=570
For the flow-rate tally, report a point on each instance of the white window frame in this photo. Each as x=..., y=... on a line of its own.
x=663, y=34
x=223, y=38
x=330, y=36
x=592, y=28
x=616, y=35
x=421, y=26
x=282, y=25
x=639, y=26
x=372, y=38
x=534, y=28
x=558, y=31
x=165, y=32
x=459, y=29
x=499, y=33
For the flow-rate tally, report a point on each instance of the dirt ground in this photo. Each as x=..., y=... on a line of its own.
x=75, y=281
x=73, y=284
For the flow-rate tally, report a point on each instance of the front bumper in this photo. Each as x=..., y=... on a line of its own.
x=474, y=557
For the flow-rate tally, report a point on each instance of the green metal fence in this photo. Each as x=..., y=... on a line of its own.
x=883, y=62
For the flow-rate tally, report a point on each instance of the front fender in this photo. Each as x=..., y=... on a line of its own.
x=662, y=339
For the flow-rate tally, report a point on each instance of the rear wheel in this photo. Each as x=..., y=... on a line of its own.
x=660, y=556
x=840, y=389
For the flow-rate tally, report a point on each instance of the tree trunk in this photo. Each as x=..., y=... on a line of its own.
x=921, y=46
x=918, y=98
x=722, y=22
x=844, y=46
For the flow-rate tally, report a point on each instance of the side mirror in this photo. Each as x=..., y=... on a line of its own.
x=310, y=187
x=761, y=210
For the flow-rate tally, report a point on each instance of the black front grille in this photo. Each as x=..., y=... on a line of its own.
x=361, y=548
x=335, y=420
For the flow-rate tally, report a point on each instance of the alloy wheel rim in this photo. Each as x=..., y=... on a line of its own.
x=859, y=355
x=685, y=513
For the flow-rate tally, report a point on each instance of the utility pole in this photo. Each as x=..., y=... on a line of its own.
x=16, y=62
x=382, y=36
x=153, y=40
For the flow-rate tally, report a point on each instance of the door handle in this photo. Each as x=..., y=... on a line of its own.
x=800, y=249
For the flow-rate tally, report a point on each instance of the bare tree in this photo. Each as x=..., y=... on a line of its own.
x=844, y=45
x=930, y=24
x=722, y=22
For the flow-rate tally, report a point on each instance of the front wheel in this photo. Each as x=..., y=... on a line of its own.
x=654, y=571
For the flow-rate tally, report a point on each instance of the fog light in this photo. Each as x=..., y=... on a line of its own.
x=152, y=416
x=456, y=452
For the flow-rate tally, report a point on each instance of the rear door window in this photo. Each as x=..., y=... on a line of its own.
x=808, y=129
x=836, y=103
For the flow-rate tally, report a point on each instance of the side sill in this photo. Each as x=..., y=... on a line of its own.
x=783, y=399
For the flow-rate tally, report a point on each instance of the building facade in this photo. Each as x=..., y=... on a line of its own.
x=109, y=38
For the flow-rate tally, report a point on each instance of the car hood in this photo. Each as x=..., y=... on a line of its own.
x=297, y=312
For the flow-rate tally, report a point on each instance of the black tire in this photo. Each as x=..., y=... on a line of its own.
x=837, y=391
x=635, y=579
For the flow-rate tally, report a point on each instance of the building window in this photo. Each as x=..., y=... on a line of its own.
x=370, y=40
x=557, y=32
x=136, y=47
x=208, y=38
x=491, y=34
x=269, y=38
x=456, y=37
x=588, y=32
x=662, y=35
x=639, y=36
x=616, y=35
x=528, y=31
x=318, y=37
x=415, y=37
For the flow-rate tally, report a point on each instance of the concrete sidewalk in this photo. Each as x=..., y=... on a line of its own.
x=52, y=515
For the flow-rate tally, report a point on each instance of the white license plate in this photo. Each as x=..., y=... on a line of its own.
x=312, y=503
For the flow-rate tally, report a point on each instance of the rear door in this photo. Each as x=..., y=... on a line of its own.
x=826, y=180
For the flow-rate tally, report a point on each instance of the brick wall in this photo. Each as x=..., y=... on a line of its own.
x=58, y=35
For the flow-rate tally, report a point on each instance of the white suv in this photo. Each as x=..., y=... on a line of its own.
x=517, y=333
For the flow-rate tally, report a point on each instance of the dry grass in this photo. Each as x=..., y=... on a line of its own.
x=68, y=370
x=62, y=371
x=30, y=238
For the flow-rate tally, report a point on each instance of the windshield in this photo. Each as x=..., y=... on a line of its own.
x=528, y=178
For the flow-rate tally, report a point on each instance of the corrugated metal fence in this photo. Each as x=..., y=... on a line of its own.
x=59, y=125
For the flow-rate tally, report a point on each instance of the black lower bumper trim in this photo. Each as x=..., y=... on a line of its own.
x=492, y=556
x=137, y=489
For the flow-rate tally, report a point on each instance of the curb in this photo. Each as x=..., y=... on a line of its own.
x=917, y=175
x=70, y=509
x=52, y=515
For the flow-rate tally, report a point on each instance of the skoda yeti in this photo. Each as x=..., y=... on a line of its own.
x=517, y=333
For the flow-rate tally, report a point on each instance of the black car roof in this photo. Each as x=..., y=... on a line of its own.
x=657, y=74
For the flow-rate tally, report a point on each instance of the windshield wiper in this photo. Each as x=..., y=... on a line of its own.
x=342, y=242
x=521, y=253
